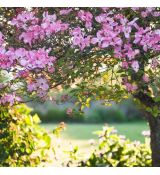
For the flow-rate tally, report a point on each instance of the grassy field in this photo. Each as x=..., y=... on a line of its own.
x=84, y=132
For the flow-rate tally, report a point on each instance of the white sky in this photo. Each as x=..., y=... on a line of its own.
x=80, y=3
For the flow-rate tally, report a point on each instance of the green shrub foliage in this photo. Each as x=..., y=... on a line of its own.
x=22, y=141
x=123, y=112
x=116, y=151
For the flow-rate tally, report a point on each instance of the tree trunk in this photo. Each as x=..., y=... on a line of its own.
x=154, y=123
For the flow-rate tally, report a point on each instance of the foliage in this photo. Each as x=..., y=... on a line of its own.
x=22, y=141
x=97, y=113
x=115, y=151
x=54, y=113
x=122, y=112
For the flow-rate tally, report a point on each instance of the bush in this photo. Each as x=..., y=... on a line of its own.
x=101, y=114
x=124, y=112
x=54, y=113
x=115, y=151
x=22, y=141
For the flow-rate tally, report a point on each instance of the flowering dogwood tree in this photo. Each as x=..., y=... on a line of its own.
x=106, y=53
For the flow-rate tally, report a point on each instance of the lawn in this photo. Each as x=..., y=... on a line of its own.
x=84, y=132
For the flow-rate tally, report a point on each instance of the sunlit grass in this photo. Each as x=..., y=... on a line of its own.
x=84, y=132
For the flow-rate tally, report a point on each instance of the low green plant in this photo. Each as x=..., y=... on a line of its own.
x=114, y=150
x=22, y=141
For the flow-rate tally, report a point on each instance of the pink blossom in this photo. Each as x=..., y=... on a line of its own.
x=31, y=87
x=135, y=65
x=129, y=52
x=34, y=31
x=65, y=11
x=21, y=20
x=9, y=99
x=125, y=64
x=155, y=63
x=7, y=58
x=79, y=38
x=42, y=84
x=69, y=111
x=86, y=16
x=130, y=87
x=145, y=78
x=144, y=14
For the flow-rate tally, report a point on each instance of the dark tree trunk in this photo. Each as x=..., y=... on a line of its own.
x=154, y=123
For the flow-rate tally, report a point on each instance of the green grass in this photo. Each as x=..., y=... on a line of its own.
x=84, y=132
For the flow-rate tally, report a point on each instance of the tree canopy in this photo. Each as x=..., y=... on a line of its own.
x=42, y=48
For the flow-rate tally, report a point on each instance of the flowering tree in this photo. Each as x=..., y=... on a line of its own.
x=102, y=53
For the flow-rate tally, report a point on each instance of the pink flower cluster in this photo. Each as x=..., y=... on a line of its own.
x=40, y=86
x=9, y=99
x=79, y=39
x=129, y=86
x=32, y=59
x=7, y=58
x=24, y=20
x=148, y=11
x=112, y=32
x=155, y=63
x=134, y=65
x=148, y=39
x=86, y=17
x=33, y=30
x=35, y=59
x=65, y=11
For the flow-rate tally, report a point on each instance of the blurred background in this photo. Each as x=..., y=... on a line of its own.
x=126, y=117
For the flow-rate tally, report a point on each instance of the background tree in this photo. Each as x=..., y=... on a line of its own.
x=102, y=53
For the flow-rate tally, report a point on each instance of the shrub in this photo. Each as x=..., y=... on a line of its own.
x=22, y=141
x=124, y=112
x=115, y=151
x=101, y=114
x=55, y=113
